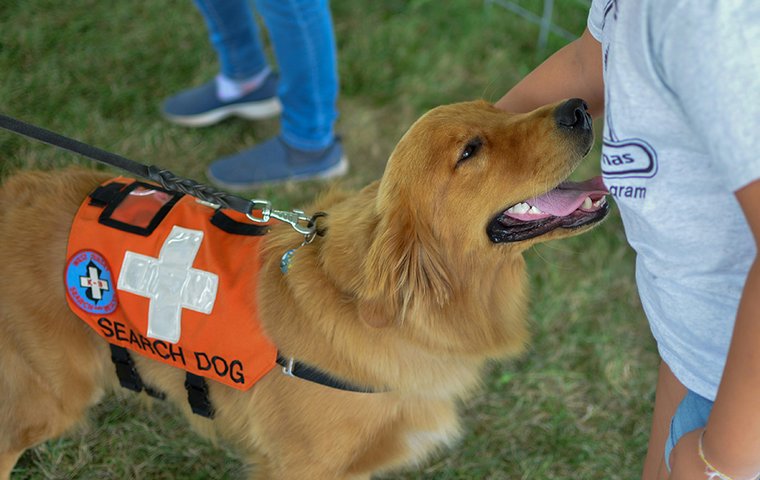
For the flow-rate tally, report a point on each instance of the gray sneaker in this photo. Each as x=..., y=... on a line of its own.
x=274, y=161
x=200, y=106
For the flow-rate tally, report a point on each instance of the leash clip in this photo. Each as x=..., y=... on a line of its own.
x=297, y=219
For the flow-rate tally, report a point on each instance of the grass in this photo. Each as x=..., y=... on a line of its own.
x=576, y=405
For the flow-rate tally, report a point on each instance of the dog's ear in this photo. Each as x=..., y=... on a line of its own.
x=403, y=266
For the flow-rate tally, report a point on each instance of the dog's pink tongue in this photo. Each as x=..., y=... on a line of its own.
x=563, y=200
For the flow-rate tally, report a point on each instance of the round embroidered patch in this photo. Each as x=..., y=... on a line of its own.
x=89, y=283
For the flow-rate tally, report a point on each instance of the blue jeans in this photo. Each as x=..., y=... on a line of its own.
x=301, y=33
x=691, y=414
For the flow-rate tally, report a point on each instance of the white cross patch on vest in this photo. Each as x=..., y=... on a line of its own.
x=93, y=282
x=170, y=283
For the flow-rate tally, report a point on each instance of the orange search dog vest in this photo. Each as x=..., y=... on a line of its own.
x=169, y=277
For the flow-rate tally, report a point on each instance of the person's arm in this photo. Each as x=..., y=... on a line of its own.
x=732, y=436
x=575, y=71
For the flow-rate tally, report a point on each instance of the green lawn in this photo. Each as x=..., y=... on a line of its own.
x=575, y=406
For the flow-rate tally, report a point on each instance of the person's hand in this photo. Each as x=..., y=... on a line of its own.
x=685, y=463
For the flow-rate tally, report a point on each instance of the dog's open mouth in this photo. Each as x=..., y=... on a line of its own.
x=569, y=205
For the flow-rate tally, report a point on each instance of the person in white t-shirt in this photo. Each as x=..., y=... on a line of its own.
x=678, y=83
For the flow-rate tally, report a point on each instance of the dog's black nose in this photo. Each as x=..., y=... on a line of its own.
x=573, y=114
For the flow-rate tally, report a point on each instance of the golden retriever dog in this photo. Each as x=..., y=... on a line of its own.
x=417, y=282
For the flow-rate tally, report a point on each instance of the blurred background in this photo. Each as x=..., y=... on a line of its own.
x=575, y=406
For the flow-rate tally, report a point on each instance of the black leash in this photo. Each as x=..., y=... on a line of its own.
x=165, y=178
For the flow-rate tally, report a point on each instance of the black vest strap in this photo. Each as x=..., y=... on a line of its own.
x=102, y=196
x=227, y=224
x=129, y=378
x=127, y=373
x=312, y=374
x=197, y=395
x=197, y=388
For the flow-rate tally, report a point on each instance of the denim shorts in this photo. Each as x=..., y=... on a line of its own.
x=692, y=413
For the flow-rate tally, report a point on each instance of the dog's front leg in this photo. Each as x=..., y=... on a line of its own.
x=7, y=462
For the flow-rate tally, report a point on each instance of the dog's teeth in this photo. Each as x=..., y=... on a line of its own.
x=534, y=210
x=587, y=203
x=519, y=208
x=599, y=202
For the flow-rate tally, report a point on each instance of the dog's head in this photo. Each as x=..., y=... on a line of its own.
x=469, y=179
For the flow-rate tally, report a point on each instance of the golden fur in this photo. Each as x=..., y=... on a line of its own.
x=405, y=293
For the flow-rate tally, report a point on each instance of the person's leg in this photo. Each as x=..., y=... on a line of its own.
x=668, y=396
x=245, y=86
x=302, y=35
x=235, y=37
x=301, y=32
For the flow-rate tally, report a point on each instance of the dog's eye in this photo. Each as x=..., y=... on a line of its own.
x=470, y=150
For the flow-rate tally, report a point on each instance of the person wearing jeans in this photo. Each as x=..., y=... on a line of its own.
x=305, y=91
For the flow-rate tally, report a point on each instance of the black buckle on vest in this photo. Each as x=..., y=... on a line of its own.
x=197, y=395
x=127, y=373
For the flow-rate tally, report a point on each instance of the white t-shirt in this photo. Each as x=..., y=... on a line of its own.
x=681, y=135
